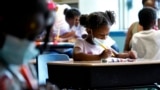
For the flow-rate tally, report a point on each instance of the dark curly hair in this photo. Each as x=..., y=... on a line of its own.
x=71, y=13
x=144, y=1
x=23, y=14
x=97, y=19
x=146, y=16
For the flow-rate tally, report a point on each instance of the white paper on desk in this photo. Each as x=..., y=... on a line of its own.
x=59, y=43
x=112, y=60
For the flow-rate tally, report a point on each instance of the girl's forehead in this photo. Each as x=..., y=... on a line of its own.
x=105, y=29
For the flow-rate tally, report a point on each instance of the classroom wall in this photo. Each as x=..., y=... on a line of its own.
x=89, y=6
x=119, y=37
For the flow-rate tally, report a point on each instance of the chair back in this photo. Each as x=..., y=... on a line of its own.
x=42, y=69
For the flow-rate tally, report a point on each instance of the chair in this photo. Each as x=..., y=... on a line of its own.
x=115, y=47
x=42, y=65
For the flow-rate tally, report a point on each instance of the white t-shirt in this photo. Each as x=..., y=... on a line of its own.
x=146, y=44
x=60, y=22
x=79, y=30
x=88, y=48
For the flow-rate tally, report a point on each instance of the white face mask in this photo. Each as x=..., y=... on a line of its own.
x=97, y=41
x=18, y=51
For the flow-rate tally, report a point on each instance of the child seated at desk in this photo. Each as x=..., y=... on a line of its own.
x=71, y=30
x=147, y=42
x=98, y=25
x=72, y=18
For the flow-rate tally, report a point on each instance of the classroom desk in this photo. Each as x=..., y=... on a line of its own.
x=96, y=75
x=51, y=45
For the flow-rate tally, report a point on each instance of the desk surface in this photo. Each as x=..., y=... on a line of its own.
x=52, y=43
x=95, y=74
x=99, y=63
x=33, y=61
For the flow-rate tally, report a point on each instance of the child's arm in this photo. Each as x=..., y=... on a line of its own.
x=80, y=56
x=128, y=38
x=129, y=54
x=65, y=37
x=68, y=34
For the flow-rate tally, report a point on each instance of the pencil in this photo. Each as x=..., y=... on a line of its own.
x=104, y=47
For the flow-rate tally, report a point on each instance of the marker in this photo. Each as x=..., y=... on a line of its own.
x=112, y=60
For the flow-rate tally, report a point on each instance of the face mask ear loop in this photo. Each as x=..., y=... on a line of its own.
x=92, y=35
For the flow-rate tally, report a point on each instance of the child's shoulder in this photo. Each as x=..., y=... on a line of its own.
x=80, y=40
x=147, y=33
x=134, y=24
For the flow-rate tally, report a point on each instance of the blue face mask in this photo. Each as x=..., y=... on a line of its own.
x=18, y=51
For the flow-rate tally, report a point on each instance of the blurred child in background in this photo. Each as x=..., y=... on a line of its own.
x=72, y=17
x=136, y=27
x=17, y=35
x=147, y=42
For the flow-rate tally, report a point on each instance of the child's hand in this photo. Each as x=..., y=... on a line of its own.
x=57, y=39
x=132, y=54
x=105, y=54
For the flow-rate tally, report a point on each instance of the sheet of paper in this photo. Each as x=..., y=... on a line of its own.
x=112, y=60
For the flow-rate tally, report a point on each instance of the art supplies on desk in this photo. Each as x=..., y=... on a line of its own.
x=113, y=60
x=52, y=43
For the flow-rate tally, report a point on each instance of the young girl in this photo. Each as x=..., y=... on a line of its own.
x=98, y=25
